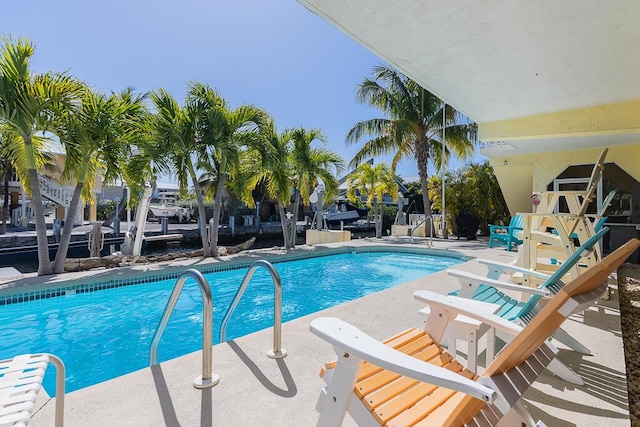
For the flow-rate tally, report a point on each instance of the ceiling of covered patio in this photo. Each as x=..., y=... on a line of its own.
x=498, y=61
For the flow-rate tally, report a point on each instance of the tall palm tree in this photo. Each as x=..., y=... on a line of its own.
x=311, y=164
x=413, y=126
x=96, y=138
x=29, y=105
x=174, y=128
x=374, y=183
x=222, y=133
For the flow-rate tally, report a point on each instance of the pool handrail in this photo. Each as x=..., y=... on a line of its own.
x=208, y=378
x=278, y=352
x=430, y=218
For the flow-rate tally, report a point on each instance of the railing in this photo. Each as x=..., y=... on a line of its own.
x=55, y=191
x=430, y=218
x=16, y=215
x=277, y=352
x=207, y=379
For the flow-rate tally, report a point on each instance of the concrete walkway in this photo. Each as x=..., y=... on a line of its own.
x=257, y=391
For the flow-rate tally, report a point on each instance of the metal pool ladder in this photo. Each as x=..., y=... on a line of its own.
x=277, y=352
x=208, y=378
x=430, y=241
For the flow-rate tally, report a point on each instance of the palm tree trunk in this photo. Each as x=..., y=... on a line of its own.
x=283, y=223
x=294, y=219
x=422, y=157
x=65, y=237
x=44, y=263
x=379, y=222
x=201, y=215
x=123, y=205
x=217, y=208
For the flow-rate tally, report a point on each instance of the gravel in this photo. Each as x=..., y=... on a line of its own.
x=629, y=291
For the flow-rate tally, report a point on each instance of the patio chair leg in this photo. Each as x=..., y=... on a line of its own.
x=519, y=416
x=566, y=339
x=564, y=372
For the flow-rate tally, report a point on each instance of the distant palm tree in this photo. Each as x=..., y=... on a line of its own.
x=374, y=183
x=96, y=138
x=221, y=133
x=309, y=165
x=287, y=164
x=29, y=105
x=413, y=127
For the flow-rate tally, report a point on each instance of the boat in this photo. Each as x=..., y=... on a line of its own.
x=164, y=210
x=345, y=213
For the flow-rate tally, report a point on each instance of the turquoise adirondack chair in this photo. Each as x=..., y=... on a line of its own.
x=506, y=234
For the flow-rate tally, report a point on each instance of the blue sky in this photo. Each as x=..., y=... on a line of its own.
x=273, y=54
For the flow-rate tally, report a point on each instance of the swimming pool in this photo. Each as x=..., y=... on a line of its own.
x=115, y=326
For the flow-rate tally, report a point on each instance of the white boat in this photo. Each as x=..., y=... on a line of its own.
x=345, y=213
x=170, y=211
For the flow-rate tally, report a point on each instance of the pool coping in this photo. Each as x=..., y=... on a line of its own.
x=15, y=292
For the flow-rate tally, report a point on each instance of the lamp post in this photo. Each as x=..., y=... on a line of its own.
x=445, y=234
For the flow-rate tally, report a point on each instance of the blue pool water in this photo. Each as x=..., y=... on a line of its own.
x=106, y=333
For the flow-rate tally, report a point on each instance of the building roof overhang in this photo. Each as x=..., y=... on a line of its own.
x=507, y=64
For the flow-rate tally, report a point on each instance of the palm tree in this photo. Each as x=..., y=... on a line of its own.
x=221, y=133
x=310, y=165
x=374, y=183
x=267, y=164
x=96, y=139
x=413, y=127
x=29, y=105
x=7, y=171
x=174, y=128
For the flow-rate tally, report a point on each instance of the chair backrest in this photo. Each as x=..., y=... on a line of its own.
x=529, y=340
x=596, y=175
x=549, y=319
x=516, y=224
x=555, y=280
x=598, y=225
x=516, y=221
x=606, y=202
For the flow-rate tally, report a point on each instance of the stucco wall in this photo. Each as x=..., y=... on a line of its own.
x=612, y=119
x=516, y=183
x=519, y=176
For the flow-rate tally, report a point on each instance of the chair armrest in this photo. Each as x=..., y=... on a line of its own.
x=502, y=268
x=460, y=305
x=347, y=338
x=475, y=279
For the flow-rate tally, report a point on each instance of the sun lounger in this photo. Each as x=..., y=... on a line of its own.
x=21, y=380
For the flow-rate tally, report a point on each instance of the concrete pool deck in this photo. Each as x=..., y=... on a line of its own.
x=257, y=391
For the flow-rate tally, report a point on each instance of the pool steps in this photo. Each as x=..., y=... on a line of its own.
x=277, y=352
x=208, y=379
